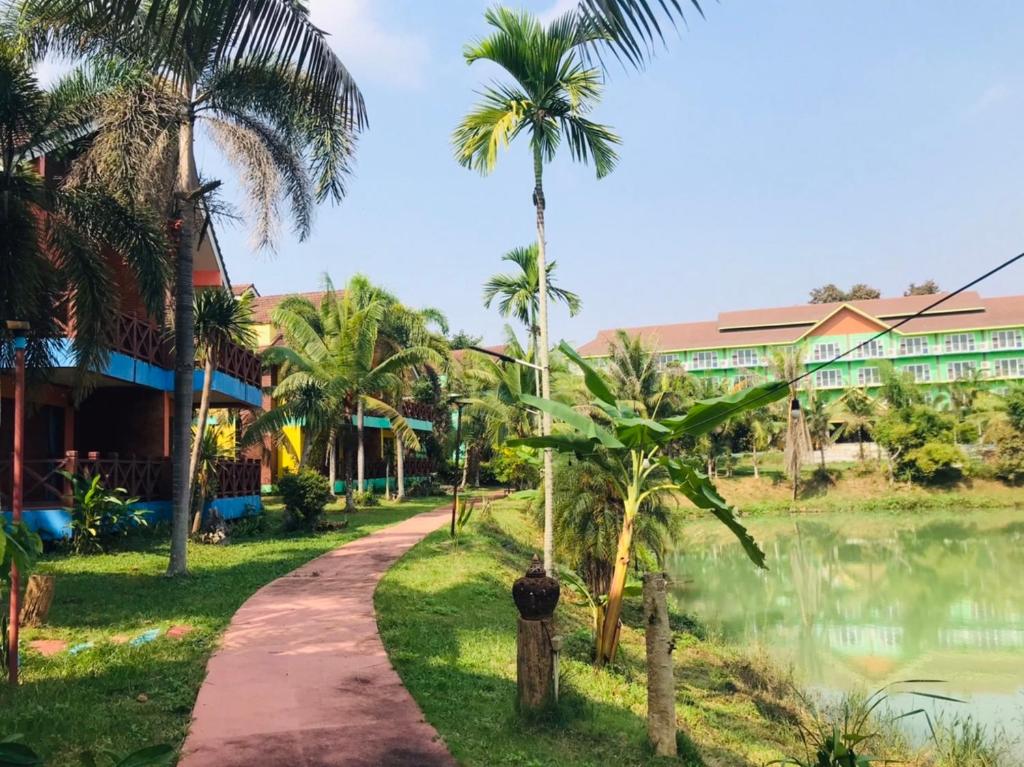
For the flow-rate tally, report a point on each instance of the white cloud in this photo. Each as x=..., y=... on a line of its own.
x=989, y=98
x=370, y=50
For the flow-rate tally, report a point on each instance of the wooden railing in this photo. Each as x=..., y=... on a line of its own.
x=419, y=410
x=238, y=478
x=414, y=467
x=145, y=341
x=148, y=479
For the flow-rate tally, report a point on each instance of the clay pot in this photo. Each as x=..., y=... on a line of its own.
x=535, y=594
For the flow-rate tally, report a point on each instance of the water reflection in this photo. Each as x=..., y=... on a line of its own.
x=861, y=600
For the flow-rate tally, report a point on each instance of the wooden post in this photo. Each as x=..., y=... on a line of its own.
x=38, y=598
x=661, y=687
x=535, y=661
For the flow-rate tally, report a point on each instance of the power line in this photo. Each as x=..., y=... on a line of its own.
x=862, y=344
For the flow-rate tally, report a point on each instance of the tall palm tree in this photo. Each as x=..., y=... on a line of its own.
x=552, y=90
x=858, y=414
x=63, y=243
x=818, y=416
x=221, y=320
x=281, y=108
x=519, y=291
x=786, y=365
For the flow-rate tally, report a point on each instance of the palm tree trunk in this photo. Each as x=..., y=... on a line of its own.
x=860, y=444
x=360, y=448
x=184, y=343
x=821, y=451
x=753, y=460
x=197, y=443
x=399, y=469
x=545, y=372
x=350, y=504
x=332, y=459
x=533, y=351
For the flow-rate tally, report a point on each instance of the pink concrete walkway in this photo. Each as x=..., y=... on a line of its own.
x=302, y=679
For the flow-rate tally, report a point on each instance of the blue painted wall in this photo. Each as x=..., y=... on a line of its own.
x=53, y=524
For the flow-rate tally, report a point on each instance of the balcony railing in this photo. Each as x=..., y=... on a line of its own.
x=145, y=341
x=148, y=479
x=419, y=410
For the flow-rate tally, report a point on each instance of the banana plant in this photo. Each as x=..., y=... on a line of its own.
x=643, y=452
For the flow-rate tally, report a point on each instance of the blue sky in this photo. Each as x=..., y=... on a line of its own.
x=777, y=145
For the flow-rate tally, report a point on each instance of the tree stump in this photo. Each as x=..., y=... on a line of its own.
x=535, y=663
x=38, y=598
x=661, y=683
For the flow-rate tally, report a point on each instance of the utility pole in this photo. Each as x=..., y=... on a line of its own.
x=17, y=489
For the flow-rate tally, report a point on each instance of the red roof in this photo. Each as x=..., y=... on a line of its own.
x=757, y=327
x=263, y=306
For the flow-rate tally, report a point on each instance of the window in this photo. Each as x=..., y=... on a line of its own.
x=1007, y=339
x=959, y=342
x=829, y=378
x=744, y=358
x=704, y=360
x=871, y=350
x=663, y=361
x=957, y=370
x=1008, y=368
x=743, y=381
x=825, y=352
x=921, y=373
x=913, y=346
x=868, y=377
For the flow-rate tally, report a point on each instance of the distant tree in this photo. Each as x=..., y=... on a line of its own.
x=463, y=340
x=926, y=288
x=818, y=416
x=827, y=294
x=858, y=414
x=831, y=294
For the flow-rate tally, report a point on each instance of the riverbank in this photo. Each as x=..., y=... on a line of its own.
x=118, y=695
x=853, y=489
x=447, y=620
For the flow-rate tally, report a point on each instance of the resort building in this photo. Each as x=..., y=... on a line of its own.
x=967, y=335
x=121, y=429
x=379, y=440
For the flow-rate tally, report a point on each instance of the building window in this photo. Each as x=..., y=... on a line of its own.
x=959, y=342
x=744, y=358
x=913, y=346
x=869, y=377
x=743, y=381
x=921, y=373
x=825, y=352
x=870, y=350
x=957, y=370
x=704, y=360
x=1007, y=339
x=663, y=361
x=829, y=378
x=1008, y=368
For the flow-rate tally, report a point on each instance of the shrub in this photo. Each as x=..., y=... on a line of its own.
x=365, y=498
x=421, y=487
x=305, y=496
x=1010, y=457
x=515, y=467
x=935, y=463
x=99, y=514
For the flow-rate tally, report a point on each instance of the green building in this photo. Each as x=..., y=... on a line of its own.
x=964, y=336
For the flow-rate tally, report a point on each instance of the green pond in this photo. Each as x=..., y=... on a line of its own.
x=856, y=601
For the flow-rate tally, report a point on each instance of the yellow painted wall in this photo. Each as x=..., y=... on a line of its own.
x=290, y=448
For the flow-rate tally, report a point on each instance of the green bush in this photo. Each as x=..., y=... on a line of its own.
x=515, y=467
x=935, y=463
x=99, y=514
x=1010, y=457
x=365, y=498
x=305, y=495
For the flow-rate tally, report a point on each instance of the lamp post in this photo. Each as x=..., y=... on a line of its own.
x=19, y=329
x=459, y=404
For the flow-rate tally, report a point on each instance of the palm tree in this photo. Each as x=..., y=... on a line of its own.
x=764, y=428
x=334, y=367
x=553, y=88
x=818, y=416
x=519, y=291
x=221, y=320
x=62, y=244
x=280, y=108
x=859, y=412
x=787, y=365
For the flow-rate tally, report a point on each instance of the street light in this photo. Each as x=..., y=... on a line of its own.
x=20, y=331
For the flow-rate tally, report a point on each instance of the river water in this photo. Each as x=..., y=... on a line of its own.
x=855, y=601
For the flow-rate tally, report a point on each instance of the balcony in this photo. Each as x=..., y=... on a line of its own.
x=148, y=479
x=143, y=340
x=421, y=411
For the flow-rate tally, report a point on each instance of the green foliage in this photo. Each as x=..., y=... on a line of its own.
x=515, y=467
x=1010, y=456
x=936, y=463
x=19, y=546
x=904, y=433
x=1015, y=407
x=14, y=753
x=365, y=498
x=305, y=496
x=99, y=514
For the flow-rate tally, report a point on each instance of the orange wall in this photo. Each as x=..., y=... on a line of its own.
x=846, y=322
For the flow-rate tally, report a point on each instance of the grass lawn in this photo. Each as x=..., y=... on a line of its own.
x=122, y=697
x=447, y=619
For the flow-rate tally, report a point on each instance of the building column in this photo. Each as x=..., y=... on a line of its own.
x=166, y=401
